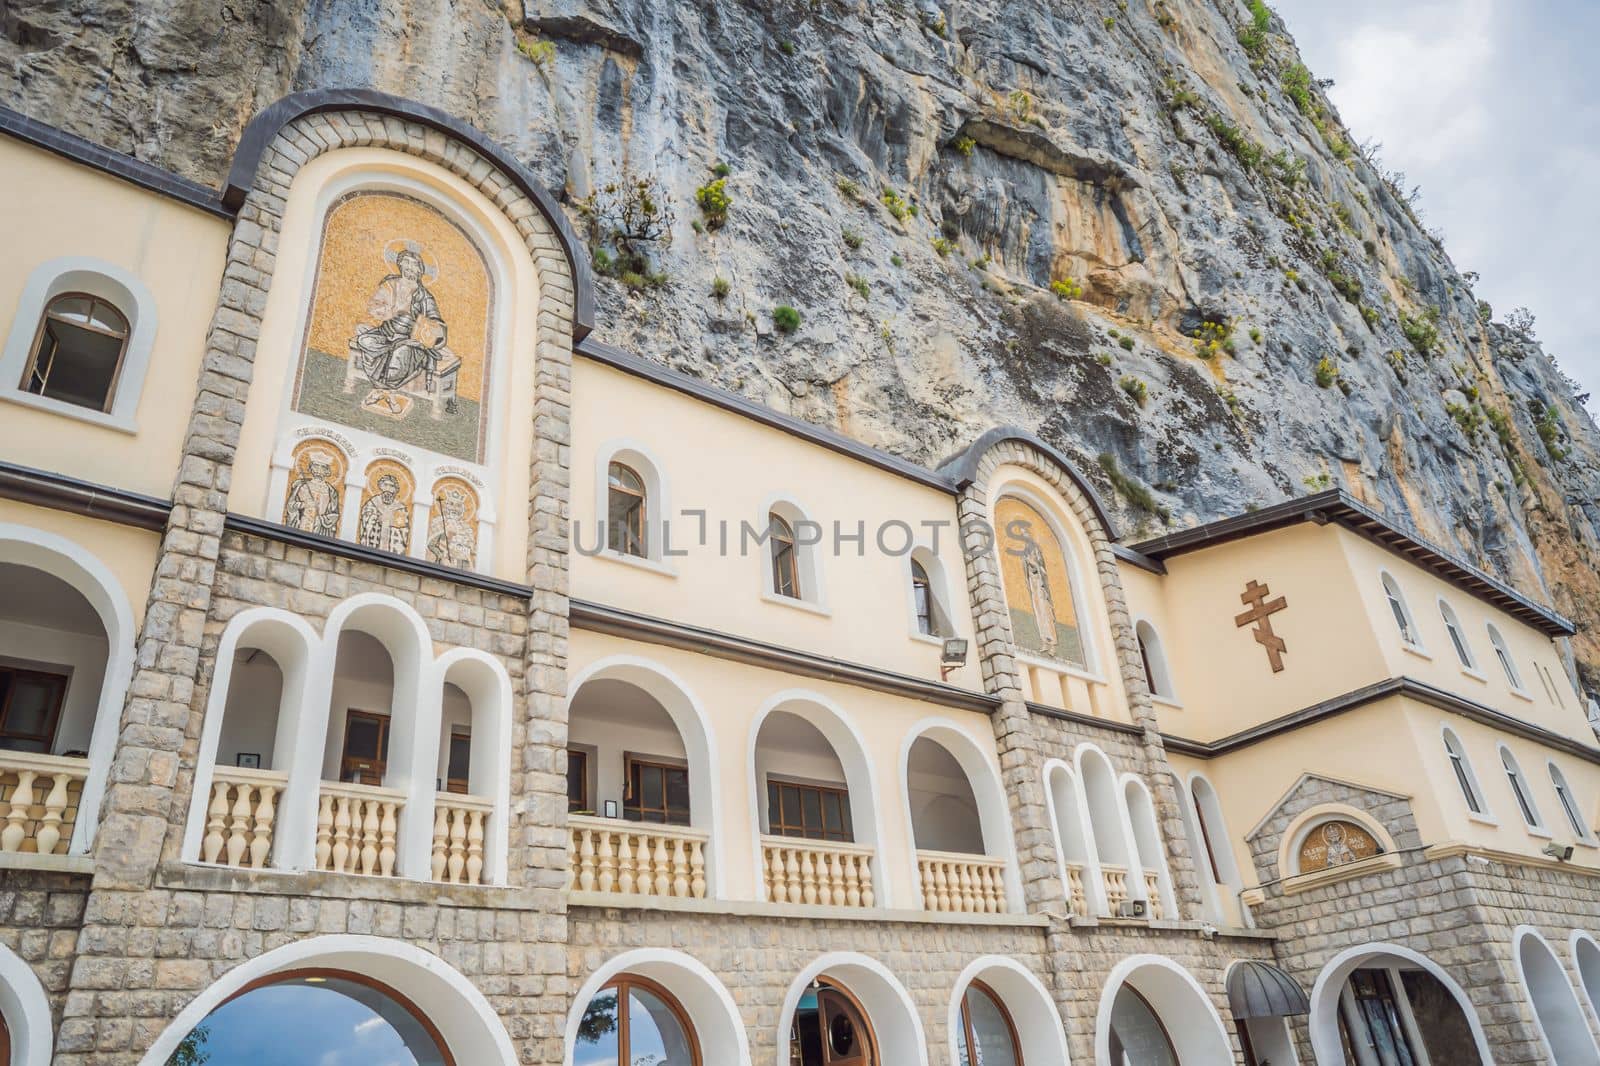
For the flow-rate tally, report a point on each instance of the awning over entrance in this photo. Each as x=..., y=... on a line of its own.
x=1261, y=990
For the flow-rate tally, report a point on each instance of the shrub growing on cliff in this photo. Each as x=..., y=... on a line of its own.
x=714, y=202
x=1549, y=427
x=1137, y=391
x=785, y=318
x=1213, y=339
x=1327, y=373
x=541, y=52
x=720, y=287
x=964, y=145
x=898, y=206
x=1422, y=331
x=1067, y=288
x=944, y=246
x=858, y=283
x=633, y=218
x=852, y=239
x=1253, y=34
x=1138, y=497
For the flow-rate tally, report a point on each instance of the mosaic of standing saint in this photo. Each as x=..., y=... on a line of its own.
x=1044, y=618
x=399, y=335
x=315, y=497
x=453, y=524
x=384, y=521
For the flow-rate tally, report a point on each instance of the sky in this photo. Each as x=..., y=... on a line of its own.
x=1489, y=106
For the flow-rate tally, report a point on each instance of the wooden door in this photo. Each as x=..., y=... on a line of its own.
x=846, y=1040
x=366, y=748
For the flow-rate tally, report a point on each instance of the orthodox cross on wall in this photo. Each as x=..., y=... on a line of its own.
x=1260, y=615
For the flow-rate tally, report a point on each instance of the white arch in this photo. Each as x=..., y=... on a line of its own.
x=119, y=287
x=983, y=777
x=1211, y=821
x=69, y=562
x=1463, y=651
x=1073, y=835
x=657, y=504
x=945, y=622
x=889, y=1008
x=488, y=689
x=1472, y=792
x=851, y=750
x=1586, y=960
x=1111, y=831
x=415, y=714
x=1178, y=1000
x=1323, y=1021
x=1150, y=851
x=1162, y=686
x=1508, y=664
x=1521, y=790
x=1556, y=1014
x=1040, y=1034
x=1075, y=546
x=291, y=641
x=689, y=715
x=464, y=1018
x=715, y=1017
x=26, y=1010
x=1405, y=621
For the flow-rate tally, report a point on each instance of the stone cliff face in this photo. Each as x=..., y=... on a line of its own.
x=1243, y=308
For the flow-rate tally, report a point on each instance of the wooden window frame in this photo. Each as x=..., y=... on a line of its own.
x=785, y=560
x=622, y=983
x=662, y=762
x=922, y=583
x=1161, y=1023
x=325, y=973
x=1205, y=836
x=385, y=723
x=638, y=516
x=842, y=791
x=1567, y=801
x=45, y=317
x=1458, y=762
x=972, y=1036
x=60, y=683
x=449, y=743
x=584, y=756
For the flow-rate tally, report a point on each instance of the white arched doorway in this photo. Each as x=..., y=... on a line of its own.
x=36, y=552
x=717, y=1028
x=887, y=1008
x=1035, y=1023
x=464, y=1020
x=25, y=1011
x=1448, y=1020
x=1154, y=1013
x=1080, y=873
x=1554, y=1004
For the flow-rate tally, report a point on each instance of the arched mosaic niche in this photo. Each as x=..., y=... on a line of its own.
x=1334, y=842
x=314, y=501
x=385, y=519
x=399, y=334
x=453, y=524
x=1038, y=583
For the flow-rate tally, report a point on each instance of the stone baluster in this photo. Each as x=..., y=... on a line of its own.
x=458, y=845
x=608, y=862
x=586, y=878
x=475, y=834
x=341, y=834
x=48, y=833
x=867, y=895
x=680, y=869
x=261, y=841
x=16, y=830
x=439, y=859
x=239, y=828
x=389, y=827
x=697, y=870
x=217, y=821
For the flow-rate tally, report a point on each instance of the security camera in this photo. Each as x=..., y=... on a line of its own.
x=1209, y=931
x=1558, y=852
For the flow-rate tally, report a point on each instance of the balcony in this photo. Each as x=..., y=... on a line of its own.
x=961, y=884
x=816, y=873
x=39, y=795
x=636, y=860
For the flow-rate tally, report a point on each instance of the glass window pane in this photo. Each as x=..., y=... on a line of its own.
x=31, y=707
x=361, y=737
x=82, y=366
x=460, y=760
x=651, y=790
x=1137, y=1038
x=678, y=788
x=655, y=1036
x=774, y=810
x=73, y=307
x=991, y=1030
x=811, y=811
x=327, y=1020
x=577, y=774
x=832, y=820
x=599, y=1032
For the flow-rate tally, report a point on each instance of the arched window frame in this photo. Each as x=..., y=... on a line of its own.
x=1568, y=802
x=1522, y=793
x=1508, y=665
x=1466, y=777
x=939, y=599
x=1311, y=819
x=976, y=986
x=1457, y=636
x=1157, y=667
x=636, y=457
x=1088, y=620
x=102, y=281
x=807, y=559
x=1405, y=622
x=622, y=983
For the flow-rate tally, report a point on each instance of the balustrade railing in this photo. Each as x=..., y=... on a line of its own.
x=239, y=820
x=39, y=797
x=961, y=884
x=636, y=859
x=356, y=828
x=459, y=825
x=1152, y=888
x=817, y=873
x=1077, y=898
x=1116, y=880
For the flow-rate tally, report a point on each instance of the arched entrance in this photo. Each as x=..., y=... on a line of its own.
x=1374, y=1005
x=1002, y=1015
x=421, y=1010
x=847, y=1009
x=1555, y=1005
x=1154, y=1013
x=688, y=1017
x=327, y=1016
x=25, y=1024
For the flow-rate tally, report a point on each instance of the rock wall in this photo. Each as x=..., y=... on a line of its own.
x=1172, y=160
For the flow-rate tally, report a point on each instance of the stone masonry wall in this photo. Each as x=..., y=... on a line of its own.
x=40, y=914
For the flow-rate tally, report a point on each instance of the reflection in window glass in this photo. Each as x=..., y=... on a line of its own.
x=326, y=1019
x=990, y=1029
x=630, y=1024
x=1137, y=1036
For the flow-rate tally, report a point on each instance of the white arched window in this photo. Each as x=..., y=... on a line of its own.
x=793, y=573
x=1402, y=614
x=80, y=342
x=1569, y=803
x=930, y=596
x=1157, y=673
x=630, y=504
x=1458, y=637
x=1464, y=775
x=1519, y=789
x=1507, y=663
